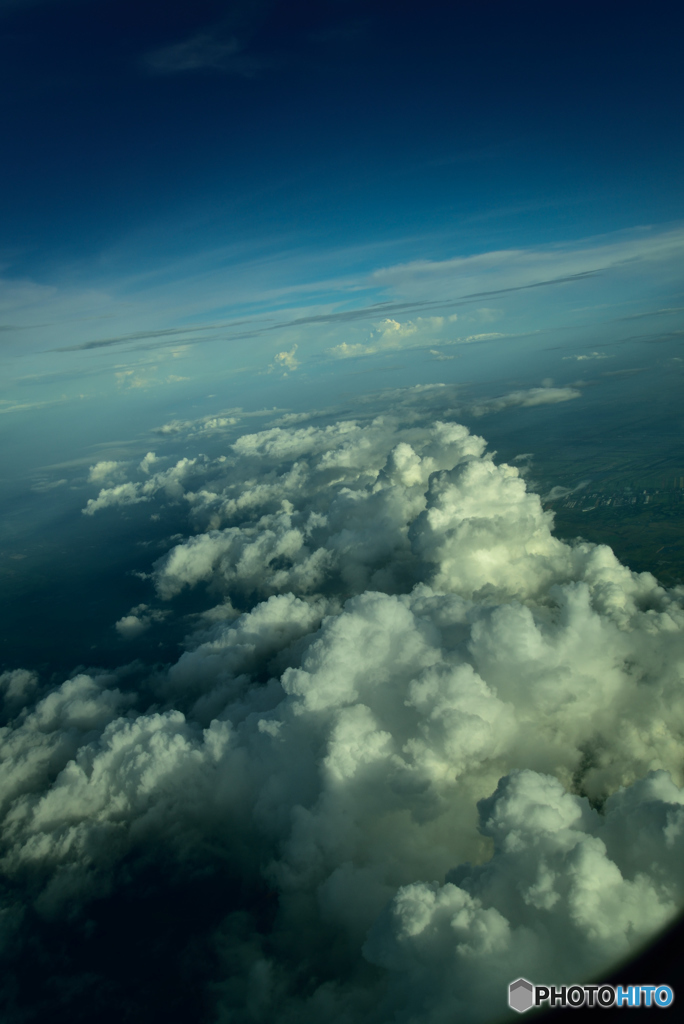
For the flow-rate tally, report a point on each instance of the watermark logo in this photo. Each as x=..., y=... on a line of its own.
x=523, y=995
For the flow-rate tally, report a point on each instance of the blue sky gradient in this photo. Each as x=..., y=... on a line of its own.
x=148, y=131
x=173, y=164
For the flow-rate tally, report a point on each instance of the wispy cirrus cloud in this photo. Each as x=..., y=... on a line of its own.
x=205, y=52
x=168, y=332
x=229, y=298
x=225, y=47
x=525, y=399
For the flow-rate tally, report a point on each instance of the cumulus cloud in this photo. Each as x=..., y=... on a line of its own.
x=138, y=621
x=289, y=419
x=148, y=461
x=104, y=470
x=559, y=877
x=391, y=334
x=171, y=481
x=285, y=361
x=16, y=688
x=212, y=424
x=397, y=715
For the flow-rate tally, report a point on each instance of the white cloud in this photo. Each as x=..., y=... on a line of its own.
x=289, y=419
x=390, y=334
x=502, y=270
x=17, y=688
x=171, y=481
x=42, y=486
x=554, y=880
x=122, y=494
x=148, y=461
x=212, y=424
x=525, y=399
x=562, y=492
x=285, y=361
x=398, y=712
x=589, y=356
x=481, y=337
x=102, y=471
x=138, y=621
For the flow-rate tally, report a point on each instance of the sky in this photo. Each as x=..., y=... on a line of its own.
x=212, y=170
x=307, y=311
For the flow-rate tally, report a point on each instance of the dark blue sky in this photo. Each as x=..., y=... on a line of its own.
x=143, y=130
x=173, y=171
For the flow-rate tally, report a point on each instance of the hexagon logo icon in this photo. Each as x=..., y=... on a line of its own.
x=520, y=995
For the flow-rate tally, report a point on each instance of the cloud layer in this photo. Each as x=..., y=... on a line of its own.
x=447, y=743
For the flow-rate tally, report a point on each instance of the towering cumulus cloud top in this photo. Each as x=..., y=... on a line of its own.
x=446, y=743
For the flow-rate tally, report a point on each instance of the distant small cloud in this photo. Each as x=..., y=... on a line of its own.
x=127, y=378
x=148, y=461
x=130, y=626
x=138, y=621
x=103, y=471
x=562, y=492
x=285, y=361
x=488, y=314
x=290, y=419
x=525, y=399
x=481, y=337
x=48, y=485
x=144, y=378
x=590, y=355
x=204, y=425
x=390, y=334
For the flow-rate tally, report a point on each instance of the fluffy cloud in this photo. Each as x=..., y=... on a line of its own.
x=445, y=742
x=104, y=470
x=17, y=688
x=559, y=878
x=138, y=621
x=391, y=334
x=171, y=481
x=147, y=462
x=285, y=361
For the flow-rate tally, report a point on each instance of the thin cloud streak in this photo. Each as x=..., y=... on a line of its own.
x=345, y=316
x=141, y=335
x=267, y=301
